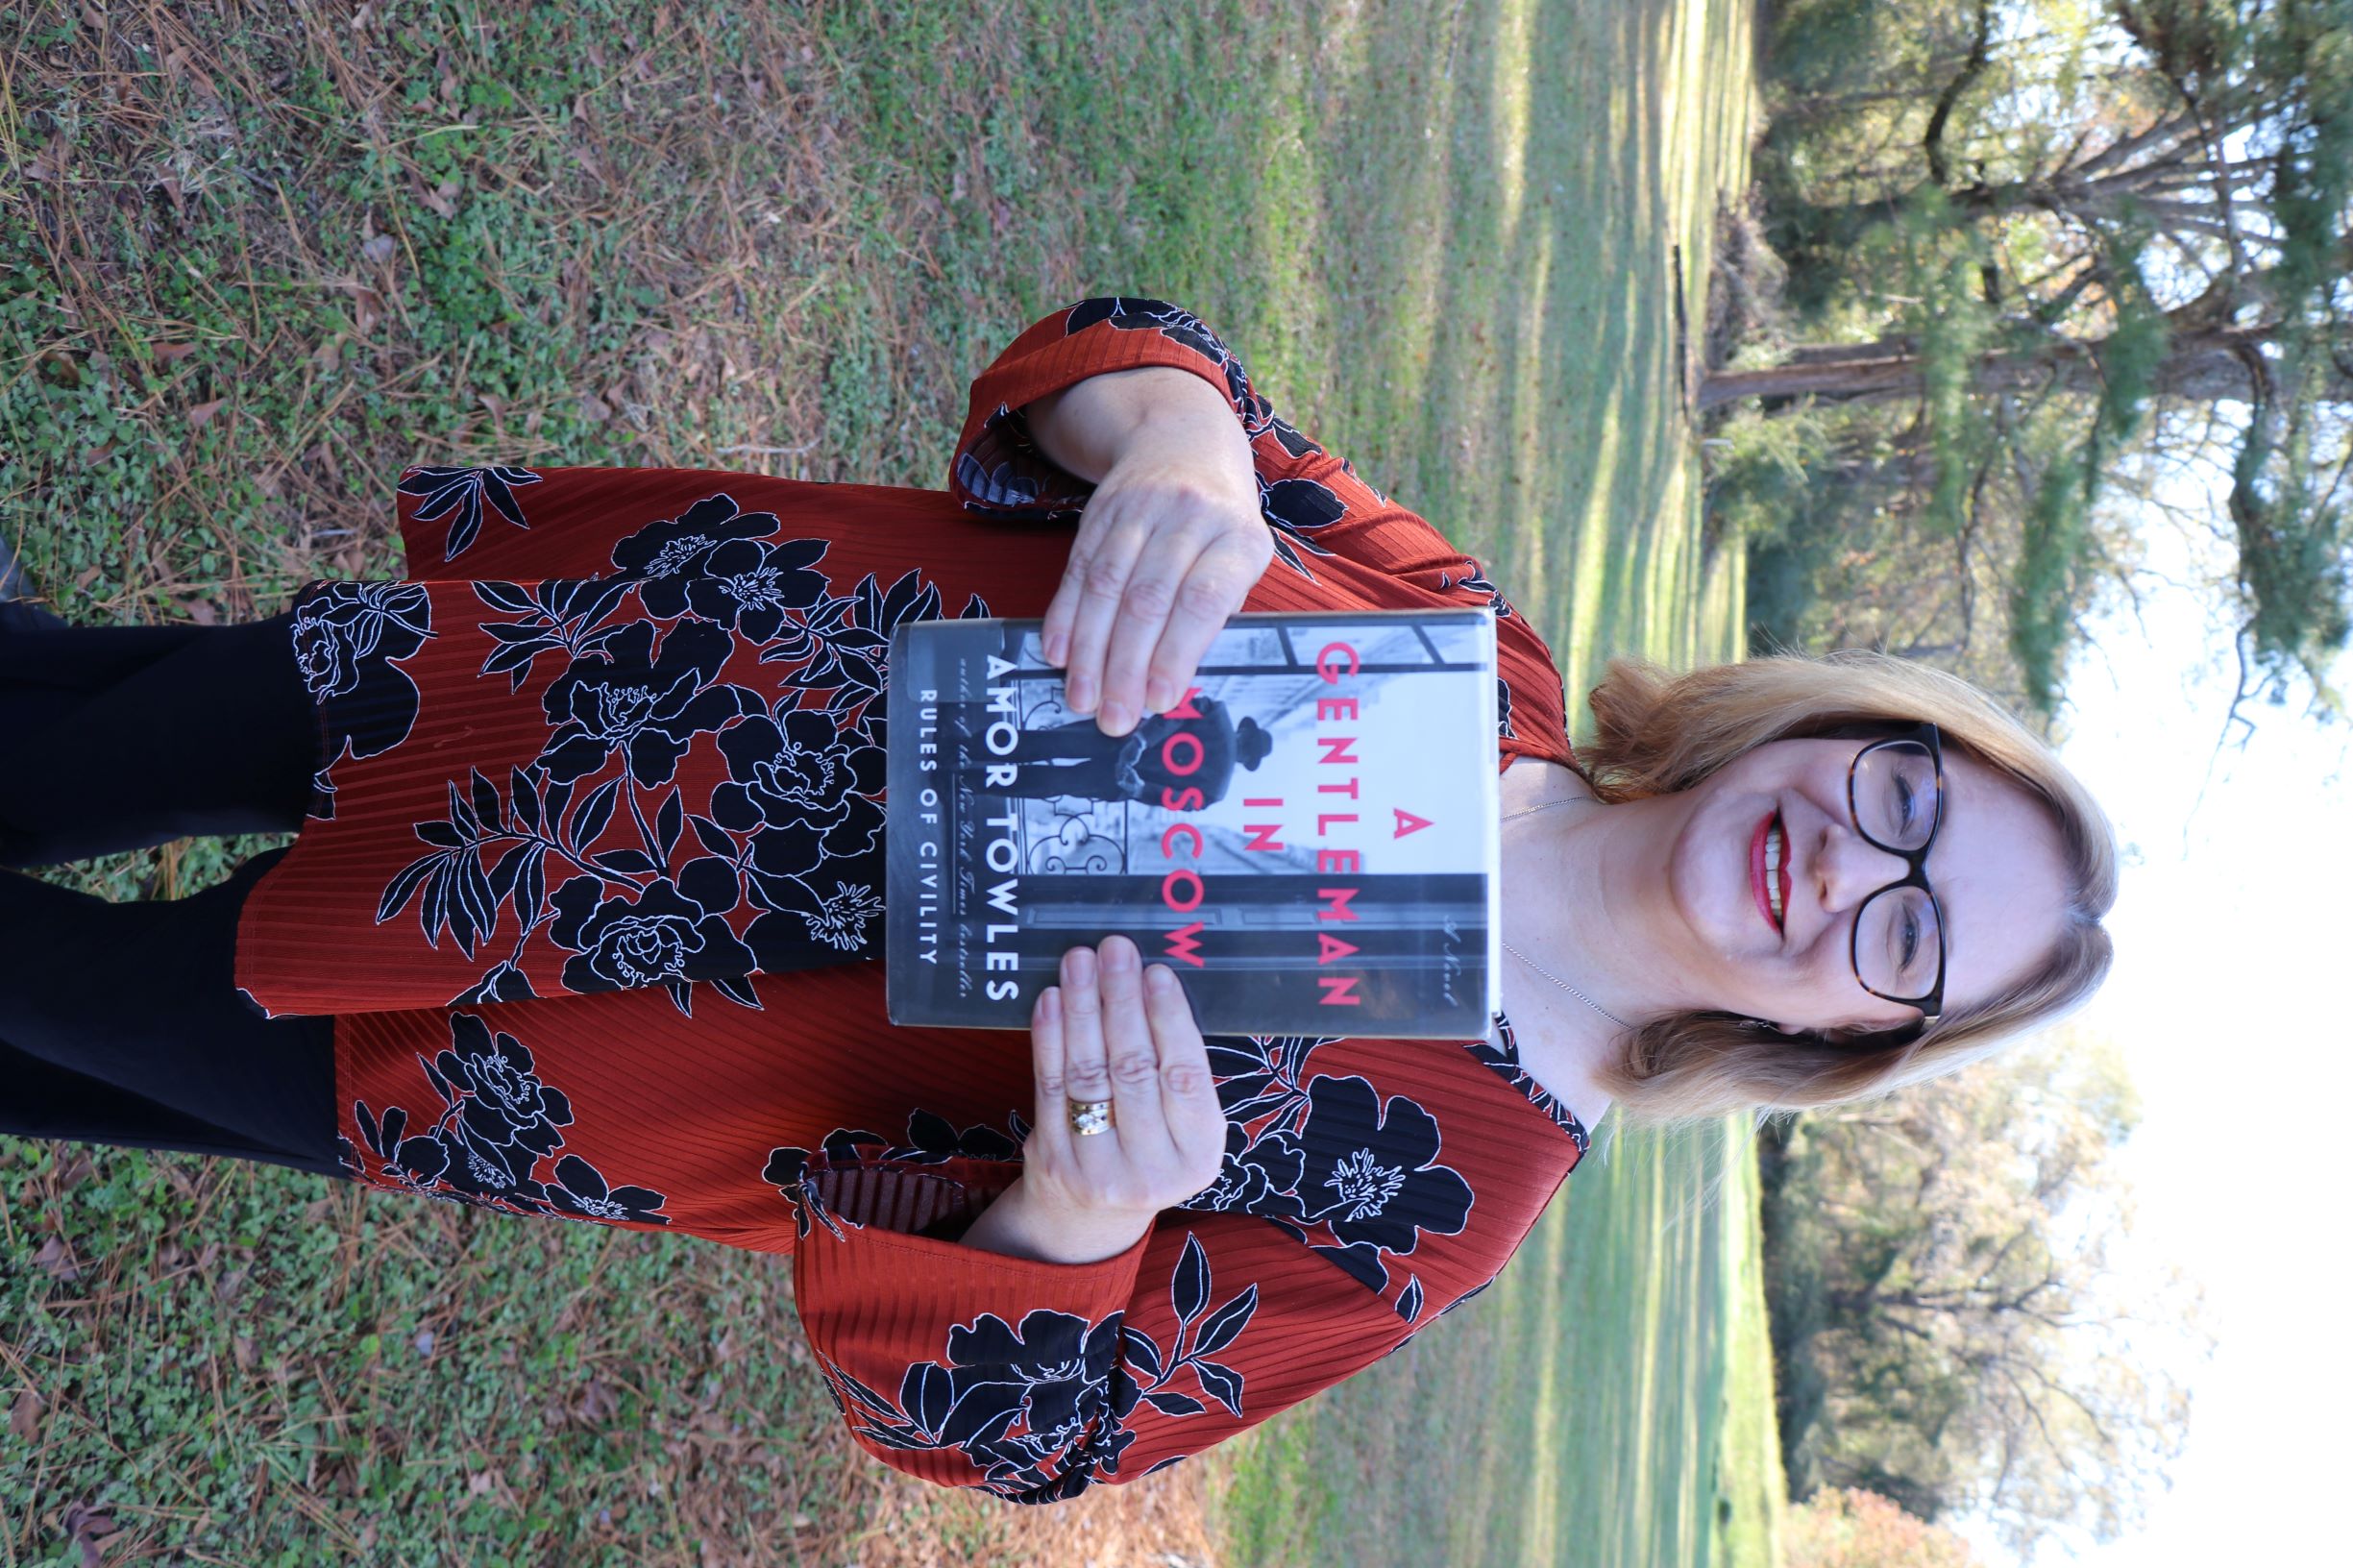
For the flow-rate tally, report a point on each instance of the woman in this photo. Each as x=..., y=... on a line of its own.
x=580, y=920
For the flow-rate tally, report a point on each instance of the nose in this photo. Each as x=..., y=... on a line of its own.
x=1850, y=869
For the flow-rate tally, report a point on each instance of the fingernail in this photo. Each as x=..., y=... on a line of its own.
x=1156, y=697
x=1047, y=999
x=1055, y=645
x=1117, y=953
x=1116, y=719
x=1080, y=694
x=1157, y=977
x=1082, y=966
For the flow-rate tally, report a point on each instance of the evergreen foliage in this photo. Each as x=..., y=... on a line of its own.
x=2034, y=240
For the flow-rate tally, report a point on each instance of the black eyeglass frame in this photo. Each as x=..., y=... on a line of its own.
x=1883, y=733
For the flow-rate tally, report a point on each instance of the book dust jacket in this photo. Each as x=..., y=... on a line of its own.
x=1308, y=839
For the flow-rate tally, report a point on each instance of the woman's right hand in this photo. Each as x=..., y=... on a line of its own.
x=1169, y=546
x=1115, y=1030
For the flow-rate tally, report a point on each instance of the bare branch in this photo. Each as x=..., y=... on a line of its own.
x=1933, y=142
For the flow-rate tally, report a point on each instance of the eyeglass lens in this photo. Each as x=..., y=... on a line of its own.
x=1895, y=801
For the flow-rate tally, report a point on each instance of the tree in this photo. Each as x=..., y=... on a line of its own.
x=1841, y=1527
x=2030, y=235
x=1953, y=1330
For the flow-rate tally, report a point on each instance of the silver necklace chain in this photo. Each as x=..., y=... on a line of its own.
x=1571, y=800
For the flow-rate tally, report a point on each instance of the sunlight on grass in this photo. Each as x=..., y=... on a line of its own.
x=1511, y=275
x=1508, y=116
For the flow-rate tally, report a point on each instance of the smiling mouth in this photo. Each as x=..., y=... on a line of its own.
x=1769, y=871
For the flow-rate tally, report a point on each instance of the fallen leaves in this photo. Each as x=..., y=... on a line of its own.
x=85, y=1526
x=55, y=1259
x=49, y=163
x=441, y=198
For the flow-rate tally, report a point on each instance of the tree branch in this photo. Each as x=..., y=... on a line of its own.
x=1933, y=143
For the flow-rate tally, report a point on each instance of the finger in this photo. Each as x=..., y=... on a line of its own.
x=1218, y=583
x=1054, y=631
x=1159, y=582
x=1102, y=581
x=1085, y=1075
x=1132, y=1056
x=1189, y=1107
x=1050, y=1125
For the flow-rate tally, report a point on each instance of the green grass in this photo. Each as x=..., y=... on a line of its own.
x=250, y=268
x=1608, y=1401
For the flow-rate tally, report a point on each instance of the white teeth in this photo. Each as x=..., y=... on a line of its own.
x=1773, y=868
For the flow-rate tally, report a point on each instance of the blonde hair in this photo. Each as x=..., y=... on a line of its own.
x=1657, y=733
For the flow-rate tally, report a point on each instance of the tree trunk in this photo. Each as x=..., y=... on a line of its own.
x=2201, y=365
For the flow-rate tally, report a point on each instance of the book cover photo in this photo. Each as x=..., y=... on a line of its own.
x=1308, y=839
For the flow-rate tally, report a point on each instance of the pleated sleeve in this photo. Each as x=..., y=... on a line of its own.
x=1315, y=501
x=1320, y=508
x=1033, y=1381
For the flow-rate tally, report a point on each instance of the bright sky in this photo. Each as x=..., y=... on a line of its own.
x=2233, y=980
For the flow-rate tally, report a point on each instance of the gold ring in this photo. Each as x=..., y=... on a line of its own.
x=1090, y=1117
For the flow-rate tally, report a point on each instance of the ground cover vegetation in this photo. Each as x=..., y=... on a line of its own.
x=2024, y=282
x=254, y=260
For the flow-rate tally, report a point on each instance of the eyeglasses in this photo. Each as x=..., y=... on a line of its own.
x=1896, y=794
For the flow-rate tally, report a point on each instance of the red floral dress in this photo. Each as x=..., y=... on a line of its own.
x=591, y=884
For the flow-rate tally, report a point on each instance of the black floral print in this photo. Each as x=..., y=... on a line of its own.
x=1130, y=312
x=653, y=940
x=628, y=699
x=703, y=804
x=498, y=1125
x=793, y=775
x=1325, y=1157
x=1372, y=1174
x=667, y=557
x=748, y=588
x=1504, y=1059
x=1476, y=581
x=790, y=845
x=839, y=920
x=1042, y=1407
x=559, y=615
x=347, y=637
x=1260, y=1175
x=930, y=1141
x=1295, y=509
x=463, y=490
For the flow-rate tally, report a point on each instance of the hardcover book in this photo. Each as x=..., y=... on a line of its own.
x=1308, y=839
